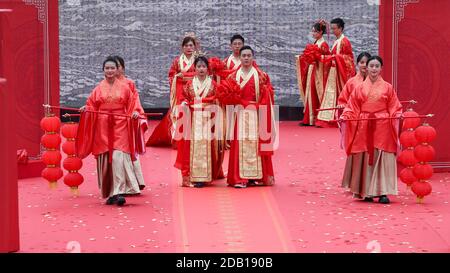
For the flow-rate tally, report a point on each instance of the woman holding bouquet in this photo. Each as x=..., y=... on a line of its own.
x=312, y=73
x=199, y=156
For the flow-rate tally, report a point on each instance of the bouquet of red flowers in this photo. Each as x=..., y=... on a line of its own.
x=229, y=92
x=311, y=53
x=215, y=65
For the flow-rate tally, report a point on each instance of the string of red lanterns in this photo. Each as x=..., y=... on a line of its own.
x=51, y=141
x=72, y=163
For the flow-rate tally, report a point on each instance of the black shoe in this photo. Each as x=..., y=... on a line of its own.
x=304, y=124
x=384, y=200
x=368, y=199
x=198, y=185
x=121, y=200
x=111, y=200
x=254, y=183
x=141, y=187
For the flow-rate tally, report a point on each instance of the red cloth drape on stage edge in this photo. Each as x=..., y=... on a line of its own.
x=34, y=73
x=9, y=209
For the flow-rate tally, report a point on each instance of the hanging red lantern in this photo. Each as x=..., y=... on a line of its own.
x=425, y=133
x=421, y=189
x=407, y=176
x=72, y=164
x=423, y=171
x=411, y=121
x=407, y=158
x=69, y=130
x=408, y=138
x=73, y=180
x=69, y=147
x=424, y=153
x=51, y=141
x=50, y=124
x=51, y=158
x=52, y=175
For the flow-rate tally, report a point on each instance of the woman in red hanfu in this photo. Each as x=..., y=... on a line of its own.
x=312, y=73
x=200, y=154
x=371, y=167
x=113, y=138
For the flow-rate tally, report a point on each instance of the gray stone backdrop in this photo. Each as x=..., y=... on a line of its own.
x=148, y=35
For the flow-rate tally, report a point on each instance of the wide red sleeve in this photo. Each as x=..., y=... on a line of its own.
x=174, y=69
x=325, y=49
x=349, y=128
x=302, y=70
x=86, y=127
x=395, y=109
x=345, y=94
x=267, y=137
x=345, y=60
x=186, y=96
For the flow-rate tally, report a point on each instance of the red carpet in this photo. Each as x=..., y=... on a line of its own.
x=306, y=211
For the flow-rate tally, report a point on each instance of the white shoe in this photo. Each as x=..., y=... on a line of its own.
x=240, y=186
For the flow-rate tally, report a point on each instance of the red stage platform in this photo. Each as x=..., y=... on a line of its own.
x=306, y=211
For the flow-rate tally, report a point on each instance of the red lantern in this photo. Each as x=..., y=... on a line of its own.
x=421, y=189
x=51, y=141
x=52, y=158
x=52, y=175
x=423, y=171
x=72, y=164
x=69, y=130
x=69, y=147
x=425, y=133
x=424, y=153
x=407, y=176
x=411, y=122
x=408, y=138
x=73, y=180
x=407, y=158
x=50, y=124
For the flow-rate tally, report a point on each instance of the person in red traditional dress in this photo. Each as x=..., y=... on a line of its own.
x=181, y=71
x=312, y=73
x=371, y=167
x=351, y=84
x=109, y=129
x=342, y=69
x=199, y=156
x=250, y=153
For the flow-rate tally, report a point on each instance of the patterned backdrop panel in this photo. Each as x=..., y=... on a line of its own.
x=148, y=34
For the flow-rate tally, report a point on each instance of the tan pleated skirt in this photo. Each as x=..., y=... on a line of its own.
x=122, y=176
x=364, y=180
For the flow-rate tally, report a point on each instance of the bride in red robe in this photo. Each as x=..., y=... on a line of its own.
x=112, y=138
x=199, y=155
x=181, y=71
x=371, y=167
x=251, y=153
x=342, y=69
x=312, y=73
